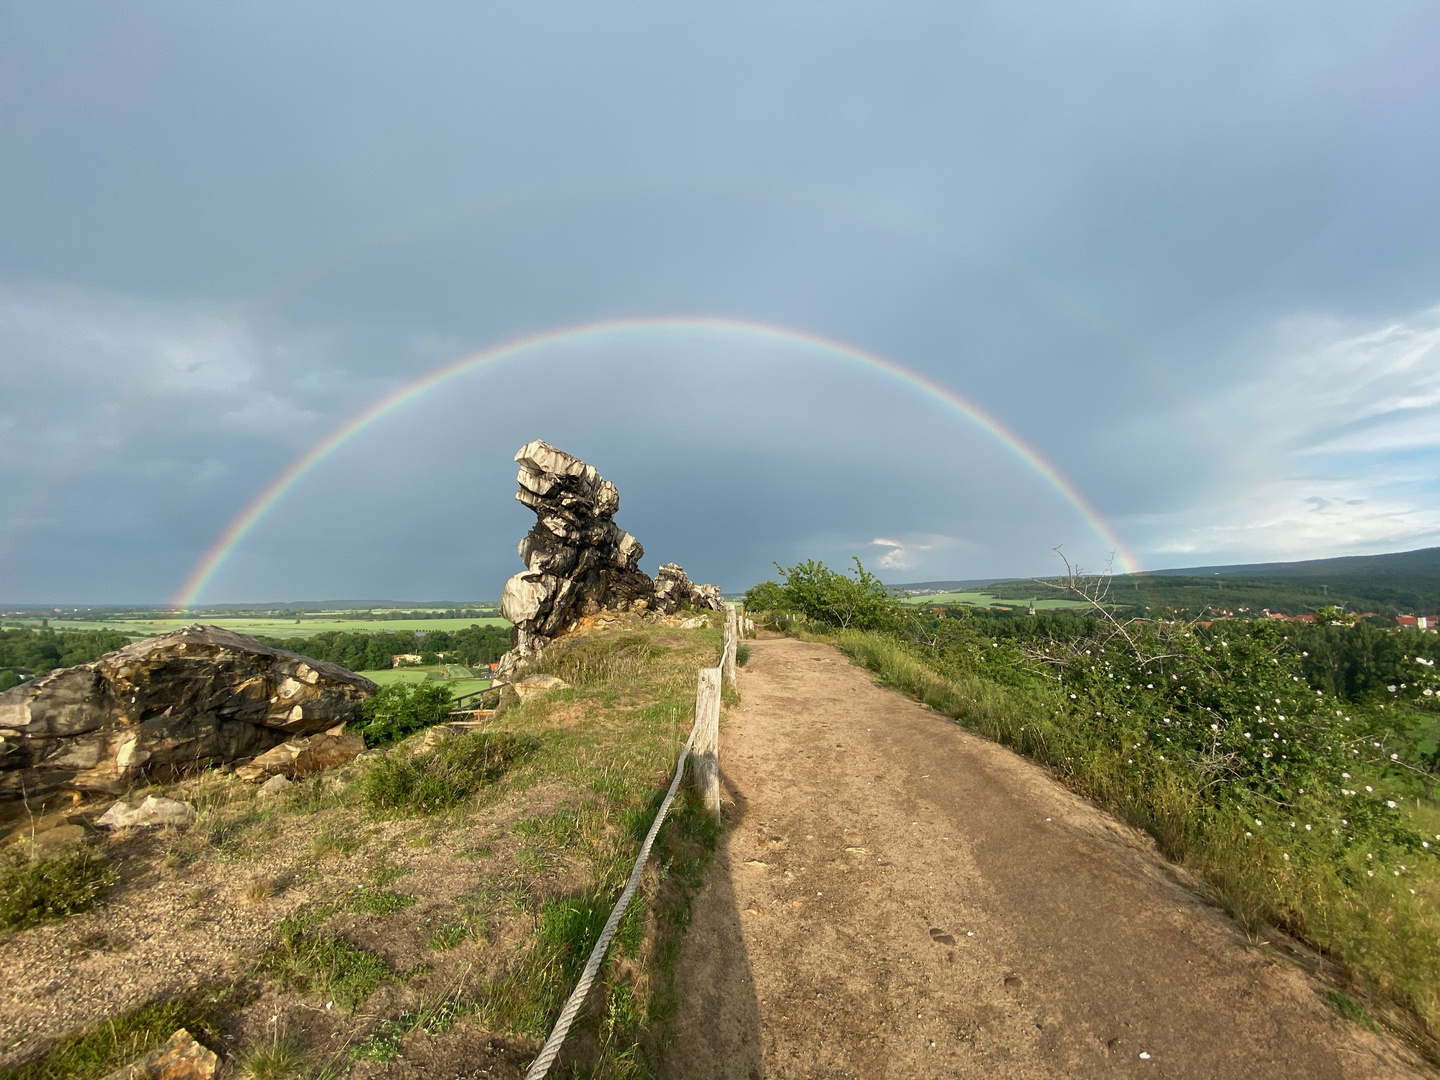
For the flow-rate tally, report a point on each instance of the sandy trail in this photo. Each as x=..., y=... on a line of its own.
x=898, y=897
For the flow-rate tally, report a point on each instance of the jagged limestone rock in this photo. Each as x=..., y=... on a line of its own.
x=152, y=710
x=578, y=561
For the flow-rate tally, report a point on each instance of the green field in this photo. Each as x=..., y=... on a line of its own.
x=458, y=686
x=980, y=599
x=281, y=628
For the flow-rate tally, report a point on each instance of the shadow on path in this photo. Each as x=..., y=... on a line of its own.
x=719, y=1021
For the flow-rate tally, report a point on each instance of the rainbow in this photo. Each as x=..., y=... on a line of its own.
x=210, y=564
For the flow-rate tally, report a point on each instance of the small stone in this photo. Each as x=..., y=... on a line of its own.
x=276, y=785
x=180, y=1058
x=534, y=685
x=153, y=811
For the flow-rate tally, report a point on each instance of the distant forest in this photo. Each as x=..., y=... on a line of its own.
x=27, y=652
x=370, y=652
x=1388, y=585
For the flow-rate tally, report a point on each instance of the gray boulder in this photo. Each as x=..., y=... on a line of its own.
x=578, y=561
x=158, y=708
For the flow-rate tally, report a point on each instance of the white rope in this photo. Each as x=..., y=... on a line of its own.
x=541, y=1065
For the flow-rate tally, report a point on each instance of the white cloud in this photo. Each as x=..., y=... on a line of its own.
x=1333, y=449
x=917, y=550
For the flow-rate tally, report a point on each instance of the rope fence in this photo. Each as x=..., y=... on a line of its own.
x=704, y=742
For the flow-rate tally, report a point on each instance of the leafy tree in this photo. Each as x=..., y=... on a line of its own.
x=860, y=601
x=402, y=709
x=26, y=649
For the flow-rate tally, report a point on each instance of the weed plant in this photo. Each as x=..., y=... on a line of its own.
x=35, y=892
x=310, y=957
x=444, y=777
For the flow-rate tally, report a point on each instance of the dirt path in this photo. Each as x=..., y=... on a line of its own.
x=900, y=898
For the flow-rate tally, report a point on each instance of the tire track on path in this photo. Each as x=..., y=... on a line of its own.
x=898, y=897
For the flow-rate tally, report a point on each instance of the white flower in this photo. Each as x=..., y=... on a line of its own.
x=1390, y=803
x=1369, y=788
x=1346, y=775
x=1307, y=828
x=1285, y=857
x=1258, y=822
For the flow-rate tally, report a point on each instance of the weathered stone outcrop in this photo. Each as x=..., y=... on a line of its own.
x=196, y=697
x=578, y=561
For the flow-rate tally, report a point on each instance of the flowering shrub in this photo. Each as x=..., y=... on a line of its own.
x=1230, y=710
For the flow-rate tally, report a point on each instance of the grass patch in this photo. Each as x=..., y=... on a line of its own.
x=1349, y=1008
x=114, y=1043
x=308, y=957
x=456, y=769
x=377, y=901
x=36, y=892
x=332, y=841
x=280, y=1059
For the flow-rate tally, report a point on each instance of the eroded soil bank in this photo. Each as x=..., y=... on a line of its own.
x=899, y=897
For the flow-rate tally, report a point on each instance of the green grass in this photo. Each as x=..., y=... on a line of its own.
x=35, y=892
x=377, y=901
x=279, y=1059
x=432, y=673
x=308, y=957
x=402, y=784
x=113, y=1043
x=984, y=599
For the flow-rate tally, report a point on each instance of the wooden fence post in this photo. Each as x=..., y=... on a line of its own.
x=731, y=632
x=706, y=751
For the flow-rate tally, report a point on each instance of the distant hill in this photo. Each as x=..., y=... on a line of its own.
x=1402, y=582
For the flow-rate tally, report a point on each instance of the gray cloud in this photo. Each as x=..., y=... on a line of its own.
x=1180, y=251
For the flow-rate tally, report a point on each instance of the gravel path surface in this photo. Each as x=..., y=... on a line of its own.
x=897, y=897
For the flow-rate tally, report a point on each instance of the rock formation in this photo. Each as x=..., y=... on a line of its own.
x=578, y=561
x=196, y=697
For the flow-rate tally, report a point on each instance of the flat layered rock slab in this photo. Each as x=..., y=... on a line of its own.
x=898, y=897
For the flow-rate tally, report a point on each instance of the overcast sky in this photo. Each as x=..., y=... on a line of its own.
x=1187, y=252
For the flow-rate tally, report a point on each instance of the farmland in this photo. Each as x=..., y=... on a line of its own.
x=302, y=626
x=985, y=600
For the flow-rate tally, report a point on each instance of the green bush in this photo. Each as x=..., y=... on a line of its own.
x=742, y=655
x=402, y=709
x=445, y=776
x=812, y=589
x=32, y=892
